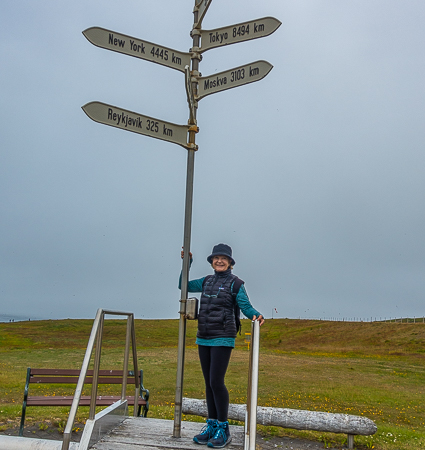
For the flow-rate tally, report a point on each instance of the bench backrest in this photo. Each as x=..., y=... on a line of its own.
x=65, y=376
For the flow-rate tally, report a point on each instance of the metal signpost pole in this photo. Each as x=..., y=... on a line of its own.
x=186, y=240
x=197, y=87
x=185, y=277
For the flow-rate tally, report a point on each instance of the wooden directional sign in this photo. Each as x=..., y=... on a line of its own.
x=232, y=78
x=240, y=32
x=131, y=46
x=201, y=6
x=137, y=123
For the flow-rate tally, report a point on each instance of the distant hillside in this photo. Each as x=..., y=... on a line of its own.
x=344, y=337
x=281, y=335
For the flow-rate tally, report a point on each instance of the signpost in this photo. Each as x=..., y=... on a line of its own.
x=132, y=46
x=190, y=95
x=201, y=7
x=137, y=123
x=232, y=78
x=197, y=87
x=240, y=32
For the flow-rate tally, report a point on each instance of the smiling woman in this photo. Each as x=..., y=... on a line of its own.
x=223, y=296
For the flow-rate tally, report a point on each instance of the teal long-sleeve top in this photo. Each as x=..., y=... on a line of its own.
x=241, y=299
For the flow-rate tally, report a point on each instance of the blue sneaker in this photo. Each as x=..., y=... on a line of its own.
x=221, y=437
x=207, y=432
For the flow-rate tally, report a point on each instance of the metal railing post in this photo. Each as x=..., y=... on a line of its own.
x=126, y=358
x=252, y=395
x=96, y=366
x=135, y=367
x=248, y=394
x=96, y=335
x=80, y=384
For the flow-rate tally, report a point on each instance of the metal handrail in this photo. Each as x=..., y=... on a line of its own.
x=96, y=335
x=252, y=394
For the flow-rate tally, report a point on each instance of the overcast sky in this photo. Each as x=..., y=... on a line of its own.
x=314, y=175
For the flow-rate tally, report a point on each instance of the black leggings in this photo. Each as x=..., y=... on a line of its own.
x=214, y=362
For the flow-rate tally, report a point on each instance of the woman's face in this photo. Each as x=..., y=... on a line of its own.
x=220, y=263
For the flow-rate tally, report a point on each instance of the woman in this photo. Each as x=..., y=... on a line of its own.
x=222, y=295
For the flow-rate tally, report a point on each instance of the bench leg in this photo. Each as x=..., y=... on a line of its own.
x=21, y=428
x=144, y=394
x=144, y=408
x=350, y=441
x=24, y=404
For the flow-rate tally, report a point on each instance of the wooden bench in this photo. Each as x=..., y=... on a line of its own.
x=70, y=376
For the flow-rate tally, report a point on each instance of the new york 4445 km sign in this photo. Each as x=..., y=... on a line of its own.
x=138, y=48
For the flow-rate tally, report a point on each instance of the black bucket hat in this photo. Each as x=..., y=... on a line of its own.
x=222, y=250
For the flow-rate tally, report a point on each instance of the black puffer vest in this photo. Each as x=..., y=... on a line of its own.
x=216, y=316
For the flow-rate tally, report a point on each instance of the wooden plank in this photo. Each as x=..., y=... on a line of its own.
x=74, y=372
x=74, y=380
x=152, y=434
x=67, y=372
x=58, y=400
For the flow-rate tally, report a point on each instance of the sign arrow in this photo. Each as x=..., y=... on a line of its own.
x=240, y=32
x=131, y=46
x=232, y=78
x=202, y=7
x=137, y=123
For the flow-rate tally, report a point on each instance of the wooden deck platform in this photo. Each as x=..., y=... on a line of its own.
x=151, y=434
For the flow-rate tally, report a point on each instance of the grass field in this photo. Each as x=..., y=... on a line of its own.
x=372, y=369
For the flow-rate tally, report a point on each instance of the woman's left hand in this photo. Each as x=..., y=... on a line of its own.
x=260, y=319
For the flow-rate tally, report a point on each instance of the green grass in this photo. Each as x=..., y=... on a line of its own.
x=372, y=369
